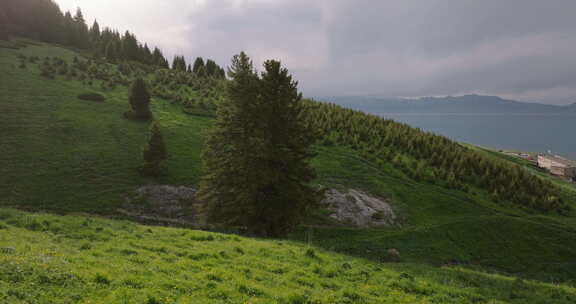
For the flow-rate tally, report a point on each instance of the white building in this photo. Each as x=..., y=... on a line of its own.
x=557, y=165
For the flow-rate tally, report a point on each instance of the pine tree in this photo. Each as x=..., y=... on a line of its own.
x=81, y=37
x=256, y=157
x=211, y=67
x=155, y=153
x=146, y=54
x=69, y=30
x=179, y=64
x=198, y=66
x=112, y=52
x=95, y=34
x=130, y=49
x=221, y=73
x=288, y=139
x=139, y=102
x=158, y=58
x=47, y=21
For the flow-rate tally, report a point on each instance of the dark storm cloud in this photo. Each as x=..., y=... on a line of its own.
x=516, y=48
x=449, y=47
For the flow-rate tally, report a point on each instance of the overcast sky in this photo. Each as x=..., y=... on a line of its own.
x=520, y=49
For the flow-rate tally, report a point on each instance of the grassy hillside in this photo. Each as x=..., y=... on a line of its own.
x=56, y=259
x=65, y=155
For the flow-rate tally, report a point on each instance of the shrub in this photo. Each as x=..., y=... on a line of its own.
x=92, y=97
x=7, y=250
x=102, y=279
x=153, y=300
x=213, y=277
x=310, y=253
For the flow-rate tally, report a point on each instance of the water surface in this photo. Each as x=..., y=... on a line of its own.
x=523, y=132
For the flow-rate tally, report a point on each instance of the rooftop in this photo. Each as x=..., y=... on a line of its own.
x=559, y=159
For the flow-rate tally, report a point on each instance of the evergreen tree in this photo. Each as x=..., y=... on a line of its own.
x=139, y=101
x=256, y=157
x=130, y=49
x=158, y=57
x=225, y=156
x=179, y=64
x=146, y=56
x=201, y=72
x=69, y=31
x=155, y=153
x=80, y=38
x=95, y=34
x=112, y=51
x=221, y=73
x=47, y=22
x=211, y=67
x=198, y=66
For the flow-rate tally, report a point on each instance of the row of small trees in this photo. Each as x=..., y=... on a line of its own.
x=200, y=69
x=433, y=158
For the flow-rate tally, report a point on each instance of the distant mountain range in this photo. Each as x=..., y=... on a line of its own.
x=457, y=104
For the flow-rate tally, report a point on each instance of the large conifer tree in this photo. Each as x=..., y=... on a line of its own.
x=256, y=157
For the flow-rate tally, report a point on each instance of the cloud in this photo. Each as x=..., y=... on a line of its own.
x=514, y=48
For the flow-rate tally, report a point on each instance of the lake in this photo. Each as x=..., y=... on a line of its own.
x=522, y=132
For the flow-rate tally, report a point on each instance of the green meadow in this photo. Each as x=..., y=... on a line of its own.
x=67, y=164
x=78, y=259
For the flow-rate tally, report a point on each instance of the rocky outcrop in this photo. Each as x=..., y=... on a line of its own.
x=167, y=204
x=357, y=208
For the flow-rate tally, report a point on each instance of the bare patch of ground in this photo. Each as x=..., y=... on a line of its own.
x=162, y=204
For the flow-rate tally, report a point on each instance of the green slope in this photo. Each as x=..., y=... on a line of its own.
x=56, y=259
x=62, y=154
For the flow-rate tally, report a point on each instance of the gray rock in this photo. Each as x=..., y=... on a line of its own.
x=393, y=255
x=357, y=208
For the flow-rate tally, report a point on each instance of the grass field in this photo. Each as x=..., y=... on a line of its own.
x=60, y=154
x=57, y=259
